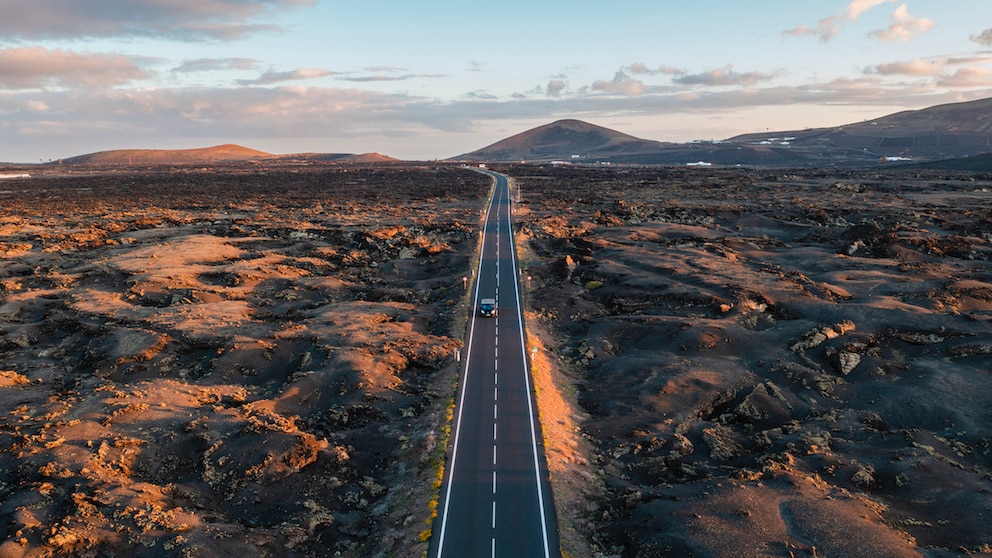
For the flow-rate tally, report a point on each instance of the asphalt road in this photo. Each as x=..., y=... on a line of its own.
x=496, y=499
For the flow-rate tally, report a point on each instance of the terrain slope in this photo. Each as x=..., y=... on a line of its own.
x=767, y=363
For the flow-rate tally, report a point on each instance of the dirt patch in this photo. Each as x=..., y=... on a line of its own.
x=229, y=361
x=771, y=363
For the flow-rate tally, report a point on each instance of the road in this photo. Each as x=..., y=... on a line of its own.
x=496, y=498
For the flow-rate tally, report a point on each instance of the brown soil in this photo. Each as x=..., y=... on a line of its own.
x=768, y=363
x=228, y=362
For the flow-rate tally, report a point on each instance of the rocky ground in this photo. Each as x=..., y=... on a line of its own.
x=228, y=362
x=769, y=363
x=257, y=362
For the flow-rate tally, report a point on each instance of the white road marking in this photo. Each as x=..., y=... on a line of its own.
x=461, y=405
x=530, y=405
x=527, y=379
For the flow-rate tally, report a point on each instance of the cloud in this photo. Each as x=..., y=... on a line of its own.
x=39, y=67
x=271, y=77
x=906, y=26
x=983, y=38
x=958, y=72
x=621, y=84
x=916, y=67
x=725, y=76
x=968, y=78
x=857, y=8
x=404, y=77
x=177, y=19
x=829, y=27
x=385, y=69
x=216, y=64
x=642, y=69
x=555, y=87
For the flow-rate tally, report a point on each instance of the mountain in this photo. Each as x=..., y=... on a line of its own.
x=940, y=132
x=128, y=157
x=566, y=140
x=975, y=163
x=337, y=158
x=227, y=153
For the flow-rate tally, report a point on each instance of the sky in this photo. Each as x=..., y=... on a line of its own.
x=429, y=80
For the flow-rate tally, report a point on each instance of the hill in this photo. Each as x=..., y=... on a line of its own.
x=212, y=155
x=564, y=139
x=128, y=157
x=975, y=163
x=940, y=132
x=337, y=158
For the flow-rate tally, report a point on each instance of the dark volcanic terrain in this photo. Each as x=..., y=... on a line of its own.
x=770, y=363
x=732, y=362
x=228, y=362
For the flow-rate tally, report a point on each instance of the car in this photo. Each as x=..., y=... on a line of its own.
x=487, y=307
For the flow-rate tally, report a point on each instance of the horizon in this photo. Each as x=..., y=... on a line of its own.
x=294, y=76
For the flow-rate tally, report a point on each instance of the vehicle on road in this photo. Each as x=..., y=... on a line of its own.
x=487, y=306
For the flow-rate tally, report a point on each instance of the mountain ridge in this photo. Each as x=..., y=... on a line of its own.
x=946, y=131
x=225, y=153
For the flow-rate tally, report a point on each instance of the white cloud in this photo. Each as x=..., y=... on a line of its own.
x=725, y=76
x=380, y=77
x=983, y=38
x=39, y=67
x=968, y=78
x=555, y=87
x=639, y=68
x=916, y=67
x=272, y=76
x=621, y=84
x=216, y=64
x=829, y=27
x=178, y=19
x=905, y=27
x=36, y=106
x=857, y=8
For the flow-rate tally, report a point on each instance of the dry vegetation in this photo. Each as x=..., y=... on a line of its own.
x=768, y=363
x=228, y=362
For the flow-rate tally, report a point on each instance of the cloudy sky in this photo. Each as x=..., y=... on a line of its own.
x=425, y=80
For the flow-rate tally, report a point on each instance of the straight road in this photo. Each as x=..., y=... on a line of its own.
x=496, y=498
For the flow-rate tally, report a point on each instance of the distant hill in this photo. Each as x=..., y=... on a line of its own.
x=944, y=131
x=976, y=163
x=211, y=155
x=563, y=140
x=338, y=157
x=128, y=157
x=941, y=132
